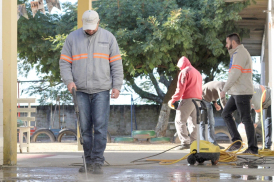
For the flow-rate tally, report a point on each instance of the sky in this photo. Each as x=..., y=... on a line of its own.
x=123, y=99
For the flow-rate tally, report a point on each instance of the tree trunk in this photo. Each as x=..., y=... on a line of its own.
x=165, y=110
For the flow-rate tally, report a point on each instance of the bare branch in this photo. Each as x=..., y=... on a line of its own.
x=165, y=81
x=160, y=93
x=146, y=95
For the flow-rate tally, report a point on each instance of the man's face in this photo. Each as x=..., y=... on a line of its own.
x=228, y=44
x=91, y=32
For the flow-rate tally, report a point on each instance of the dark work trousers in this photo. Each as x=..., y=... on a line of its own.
x=242, y=104
x=268, y=128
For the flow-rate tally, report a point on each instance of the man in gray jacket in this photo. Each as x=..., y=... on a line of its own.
x=240, y=86
x=262, y=97
x=91, y=63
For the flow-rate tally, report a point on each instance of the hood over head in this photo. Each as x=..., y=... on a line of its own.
x=183, y=63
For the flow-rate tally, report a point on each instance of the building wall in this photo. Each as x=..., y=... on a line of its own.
x=119, y=120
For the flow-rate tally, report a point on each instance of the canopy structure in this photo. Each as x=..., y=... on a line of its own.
x=258, y=18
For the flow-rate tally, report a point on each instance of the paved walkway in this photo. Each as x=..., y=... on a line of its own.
x=63, y=165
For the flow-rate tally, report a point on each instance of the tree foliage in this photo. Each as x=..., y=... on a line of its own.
x=40, y=40
x=151, y=34
x=155, y=34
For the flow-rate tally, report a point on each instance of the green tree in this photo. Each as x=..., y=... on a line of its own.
x=155, y=34
x=40, y=40
x=151, y=34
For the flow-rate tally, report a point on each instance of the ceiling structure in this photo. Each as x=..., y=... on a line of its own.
x=253, y=18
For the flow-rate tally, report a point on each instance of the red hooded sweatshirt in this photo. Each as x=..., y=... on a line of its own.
x=189, y=83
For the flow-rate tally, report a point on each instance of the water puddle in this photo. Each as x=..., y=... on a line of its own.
x=214, y=176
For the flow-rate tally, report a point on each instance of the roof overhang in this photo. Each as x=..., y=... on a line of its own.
x=254, y=19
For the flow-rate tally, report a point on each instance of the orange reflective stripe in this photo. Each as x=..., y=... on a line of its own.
x=115, y=60
x=100, y=57
x=118, y=57
x=246, y=71
x=101, y=54
x=115, y=56
x=63, y=55
x=241, y=69
x=238, y=66
x=66, y=60
x=79, y=58
x=79, y=55
x=263, y=89
x=258, y=110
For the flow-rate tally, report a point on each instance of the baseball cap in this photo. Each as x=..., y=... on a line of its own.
x=90, y=19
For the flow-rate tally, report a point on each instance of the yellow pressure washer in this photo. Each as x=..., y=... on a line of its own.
x=202, y=150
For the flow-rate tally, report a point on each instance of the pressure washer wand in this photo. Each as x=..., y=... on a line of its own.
x=77, y=114
x=79, y=125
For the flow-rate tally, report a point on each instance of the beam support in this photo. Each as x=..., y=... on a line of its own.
x=1, y=90
x=83, y=5
x=9, y=50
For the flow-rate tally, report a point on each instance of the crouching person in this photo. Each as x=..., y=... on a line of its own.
x=189, y=86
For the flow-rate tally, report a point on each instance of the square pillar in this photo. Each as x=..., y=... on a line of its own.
x=1, y=92
x=9, y=76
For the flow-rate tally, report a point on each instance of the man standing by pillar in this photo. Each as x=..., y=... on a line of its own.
x=91, y=63
x=211, y=93
x=240, y=86
x=189, y=86
x=262, y=95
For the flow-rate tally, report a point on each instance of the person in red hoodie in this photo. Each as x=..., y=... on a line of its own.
x=189, y=86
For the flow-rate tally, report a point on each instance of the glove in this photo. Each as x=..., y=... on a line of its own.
x=173, y=105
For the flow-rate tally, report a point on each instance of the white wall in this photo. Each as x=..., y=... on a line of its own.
x=1, y=89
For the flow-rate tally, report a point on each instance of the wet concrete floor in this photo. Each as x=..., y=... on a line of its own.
x=64, y=167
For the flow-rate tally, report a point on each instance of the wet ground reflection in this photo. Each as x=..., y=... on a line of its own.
x=178, y=173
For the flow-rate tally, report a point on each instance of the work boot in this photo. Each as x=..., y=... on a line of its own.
x=82, y=168
x=236, y=146
x=97, y=168
x=183, y=147
x=249, y=151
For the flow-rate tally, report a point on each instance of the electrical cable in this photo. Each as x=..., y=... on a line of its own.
x=262, y=122
x=264, y=152
x=140, y=160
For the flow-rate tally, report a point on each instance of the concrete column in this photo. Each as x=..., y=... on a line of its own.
x=83, y=5
x=9, y=50
x=1, y=91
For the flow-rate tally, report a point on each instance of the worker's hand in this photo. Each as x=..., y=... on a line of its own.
x=115, y=93
x=170, y=104
x=255, y=125
x=217, y=107
x=222, y=94
x=70, y=86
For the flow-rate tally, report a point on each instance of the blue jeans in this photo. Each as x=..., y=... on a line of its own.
x=94, y=116
x=211, y=124
x=268, y=128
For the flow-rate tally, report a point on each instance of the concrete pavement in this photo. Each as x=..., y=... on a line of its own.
x=63, y=166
